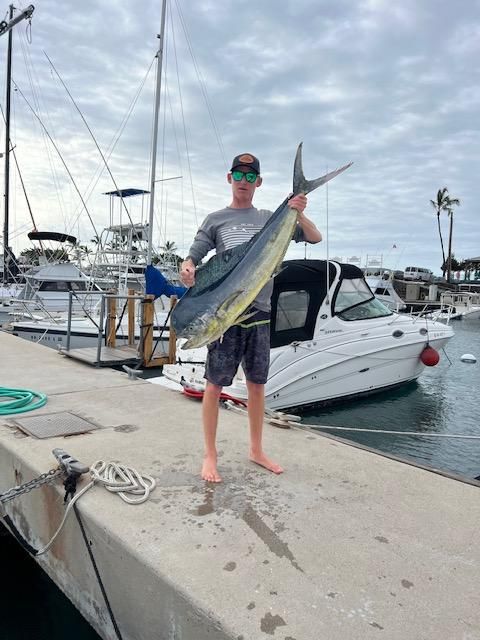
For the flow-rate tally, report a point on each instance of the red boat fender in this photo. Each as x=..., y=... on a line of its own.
x=430, y=356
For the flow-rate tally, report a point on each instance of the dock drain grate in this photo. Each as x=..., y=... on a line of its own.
x=54, y=424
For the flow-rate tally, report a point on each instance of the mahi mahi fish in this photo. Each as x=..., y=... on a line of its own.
x=230, y=281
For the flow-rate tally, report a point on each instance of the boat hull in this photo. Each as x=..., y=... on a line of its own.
x=339, y=364
x=83, y=334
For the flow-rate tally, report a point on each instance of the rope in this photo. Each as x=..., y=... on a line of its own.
x=22, y=400
x=115, y=477
x=119, y=478
x=318, y=427
x=97, y=573
x=279, y=419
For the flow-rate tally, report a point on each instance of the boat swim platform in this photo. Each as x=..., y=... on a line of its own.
x=345, y=545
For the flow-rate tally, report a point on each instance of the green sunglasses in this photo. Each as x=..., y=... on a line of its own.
x=251, y=176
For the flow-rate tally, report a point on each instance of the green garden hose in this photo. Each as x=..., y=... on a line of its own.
x=20, y=400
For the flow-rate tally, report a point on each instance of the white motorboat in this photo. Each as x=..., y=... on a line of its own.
x=47, y=285
x=46, y=291
x=331, y=339
x=462, y=305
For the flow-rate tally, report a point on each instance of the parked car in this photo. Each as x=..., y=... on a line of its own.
x=418, y=273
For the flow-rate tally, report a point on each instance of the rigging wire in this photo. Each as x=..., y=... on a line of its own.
x=202, y=85
x=41, y=107
x=114, y=141
x=59, y=154
x=95, y=141
x=177, y=145
x=187, y=151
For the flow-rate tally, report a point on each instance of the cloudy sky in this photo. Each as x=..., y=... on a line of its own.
x=393, y=87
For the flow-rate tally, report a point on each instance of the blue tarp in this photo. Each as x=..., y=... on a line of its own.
x=156, y=284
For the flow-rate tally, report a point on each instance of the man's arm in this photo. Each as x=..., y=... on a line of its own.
x=310, y=231
x=202, y=244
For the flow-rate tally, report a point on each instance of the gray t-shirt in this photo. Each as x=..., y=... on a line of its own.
x=229, y=227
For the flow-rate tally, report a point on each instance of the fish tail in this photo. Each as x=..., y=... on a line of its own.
x=301, y=184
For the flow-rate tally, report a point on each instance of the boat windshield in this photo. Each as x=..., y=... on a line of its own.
x=354, y=301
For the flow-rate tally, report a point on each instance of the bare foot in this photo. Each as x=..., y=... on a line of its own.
x=209, y=469
x=263, y=461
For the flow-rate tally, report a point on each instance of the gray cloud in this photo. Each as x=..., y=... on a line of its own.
x=391, y=87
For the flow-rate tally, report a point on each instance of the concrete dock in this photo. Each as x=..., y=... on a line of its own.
x=345, y=545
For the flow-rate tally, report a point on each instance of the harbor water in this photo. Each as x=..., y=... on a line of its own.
x=443, y=401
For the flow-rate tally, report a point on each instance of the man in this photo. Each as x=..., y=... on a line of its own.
x=248, y=342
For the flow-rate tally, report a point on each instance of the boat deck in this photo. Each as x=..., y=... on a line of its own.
x=346, y=544
x=109, y=356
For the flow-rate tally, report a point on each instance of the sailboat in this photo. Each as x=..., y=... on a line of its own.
x=132, y=245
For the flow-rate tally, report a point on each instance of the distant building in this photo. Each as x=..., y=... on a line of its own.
x=472, y=268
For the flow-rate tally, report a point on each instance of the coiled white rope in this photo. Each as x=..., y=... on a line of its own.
x=117, y=478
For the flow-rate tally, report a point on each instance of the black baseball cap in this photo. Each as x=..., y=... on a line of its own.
x=246, y=160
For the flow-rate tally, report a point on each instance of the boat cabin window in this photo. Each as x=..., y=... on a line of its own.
x=294, y=312
x=62, y=285
x=78, y=286
x=53, y=285
x=292, y=308
x=354, y=301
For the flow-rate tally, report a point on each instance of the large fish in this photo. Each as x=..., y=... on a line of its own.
x=230, y=281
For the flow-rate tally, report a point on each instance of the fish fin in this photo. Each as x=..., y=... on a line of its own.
x=244, y=317
x=301, y=184
x=231, y=298
x=213, y=272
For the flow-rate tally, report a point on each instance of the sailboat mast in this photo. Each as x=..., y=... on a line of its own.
x=4, y=27
x=155, y=131
x=7, y=153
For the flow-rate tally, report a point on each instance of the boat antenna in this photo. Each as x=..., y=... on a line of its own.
x=327, y=298
x=159, y=57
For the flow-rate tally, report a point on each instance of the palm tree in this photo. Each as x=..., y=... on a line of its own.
x=443, y=202
x=168, y=247
x=452, y=202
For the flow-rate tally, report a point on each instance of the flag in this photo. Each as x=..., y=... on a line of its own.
x=156, y=284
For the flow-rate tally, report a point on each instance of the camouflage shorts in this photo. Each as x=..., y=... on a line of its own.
x=248, y=344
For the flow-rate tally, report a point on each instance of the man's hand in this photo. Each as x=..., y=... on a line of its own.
x=187, y=273
x=298, y=202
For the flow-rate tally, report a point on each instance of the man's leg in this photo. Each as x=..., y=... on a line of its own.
x=211, y=397
x=256, y=411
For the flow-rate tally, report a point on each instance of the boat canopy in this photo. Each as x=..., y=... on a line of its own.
x=126, y=193
x=52, y=235
x=298, y=293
